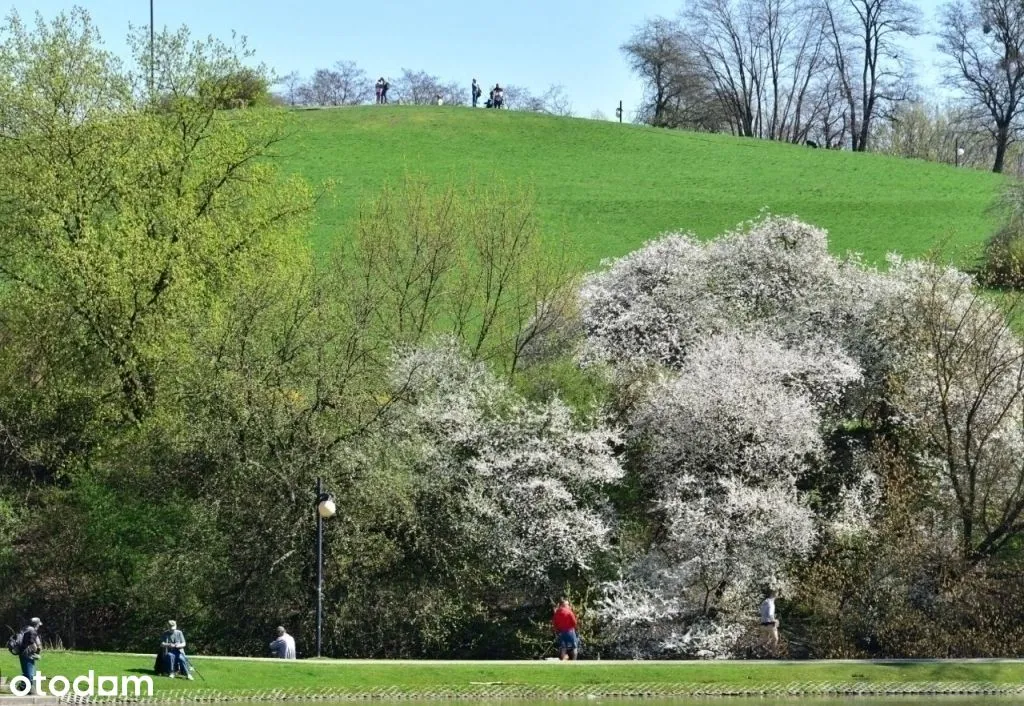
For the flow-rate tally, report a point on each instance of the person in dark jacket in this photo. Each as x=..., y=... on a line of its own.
x=31, y=649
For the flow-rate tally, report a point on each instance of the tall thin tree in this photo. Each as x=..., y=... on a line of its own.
x=983, y=43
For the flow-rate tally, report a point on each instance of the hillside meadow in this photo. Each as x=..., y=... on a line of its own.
x=603, y=189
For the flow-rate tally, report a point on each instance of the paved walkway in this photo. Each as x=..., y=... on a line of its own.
x=8, y=699
x=482, y=662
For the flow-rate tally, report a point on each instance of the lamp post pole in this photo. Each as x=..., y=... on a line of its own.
x=325, y=508
x=152, y=55
x=319, y=566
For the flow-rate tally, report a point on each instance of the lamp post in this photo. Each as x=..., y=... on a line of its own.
x=152, y=61
x=325, y=508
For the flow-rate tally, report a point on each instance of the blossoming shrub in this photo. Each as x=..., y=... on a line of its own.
x=762, y=371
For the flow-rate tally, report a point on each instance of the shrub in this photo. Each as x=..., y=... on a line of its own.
x=1003, y=260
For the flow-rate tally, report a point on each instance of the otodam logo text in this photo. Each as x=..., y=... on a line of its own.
x=83, y=685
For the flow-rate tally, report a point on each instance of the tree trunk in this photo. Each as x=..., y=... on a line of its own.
x=1002, y=138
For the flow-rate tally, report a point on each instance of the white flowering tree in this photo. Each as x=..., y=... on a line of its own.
x=725, y=540
x=722, y=443
x=774, y=275
x=520, y=486
x=958, y=372
x=741, y=345
x=760, y=369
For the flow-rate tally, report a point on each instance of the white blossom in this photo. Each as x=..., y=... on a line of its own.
x=532, y=478
x=726, y=543
x=741, y=405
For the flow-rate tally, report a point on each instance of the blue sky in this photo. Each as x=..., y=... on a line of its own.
x=532, y=43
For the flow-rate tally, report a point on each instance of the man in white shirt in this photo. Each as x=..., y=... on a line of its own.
x=769, y=623
x=284, y=646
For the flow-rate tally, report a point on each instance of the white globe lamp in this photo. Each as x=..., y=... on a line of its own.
x=326, y=507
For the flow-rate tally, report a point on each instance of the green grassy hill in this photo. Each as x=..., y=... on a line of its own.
x=606, y=188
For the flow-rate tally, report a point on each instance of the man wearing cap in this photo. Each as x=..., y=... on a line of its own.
x=284, y=646
x=31, y=648
x=174, y=641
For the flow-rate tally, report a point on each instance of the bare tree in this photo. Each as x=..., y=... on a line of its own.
x=345, y=84
x=354, y=87
x=795, y=42
x=763, y=60
x=517, y=97
x=454, y=93
x=983, y=42
x=418, y=88
x=675, y=92
x=291, y=83
x=871, y=67
x=725, y=37
x=554, y=101
x=829, y=122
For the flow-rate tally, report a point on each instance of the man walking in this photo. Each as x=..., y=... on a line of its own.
x=564, y=623
x=31, y=649
x=174, y=640
x=476, y=92
x=284, y=646
x=769, y=623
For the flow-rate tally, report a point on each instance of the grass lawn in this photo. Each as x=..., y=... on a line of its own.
x=603, y=188
x=240, y=676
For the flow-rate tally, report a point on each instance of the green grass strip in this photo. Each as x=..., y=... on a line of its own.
x=334, y=680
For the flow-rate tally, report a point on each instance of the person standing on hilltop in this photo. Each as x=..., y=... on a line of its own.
x=476, y=92
x=379, y=90
x=564, y=623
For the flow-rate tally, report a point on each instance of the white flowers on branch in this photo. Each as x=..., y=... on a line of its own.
x=775, y=275
x=746, y=363
x=745, y=338
x=753, y=353
x=527, y=480
x=724, y=441
x=725, y=540
x=741, y=405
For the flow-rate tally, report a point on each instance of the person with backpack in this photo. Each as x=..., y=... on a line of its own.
x=384, y=92
x=173, y=640
x=29, y=648
x=476, y=92
x=379, y=88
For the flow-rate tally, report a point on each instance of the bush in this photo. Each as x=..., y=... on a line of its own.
x=244, y=88
x=1003, y=259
